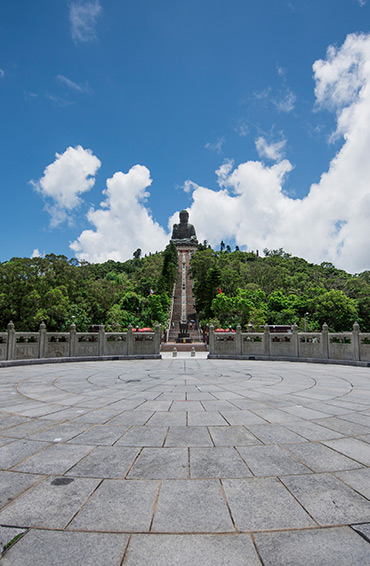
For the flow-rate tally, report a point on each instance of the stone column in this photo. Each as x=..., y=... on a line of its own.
x=325, y=341
x=72, y=340
x=11, y=341
x=42, y=340
x=356, y=342
x=157, y=339
x=266, y=340
x=295, y=341
x=211, y=339
x=130, y=341
x=101, y=340
x=238, y=341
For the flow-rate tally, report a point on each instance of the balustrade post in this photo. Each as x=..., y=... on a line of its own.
x=356, y=341
x=266, y=340
x=11, y=341
x=157, y=339
x=42, y=340
x=295, y=341
x=72, y=340
x=211, y=339
x=101, y=340
x=238, y=341
x=130, y=341
x=325, y=341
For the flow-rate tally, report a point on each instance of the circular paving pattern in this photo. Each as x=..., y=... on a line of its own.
x=185, y=460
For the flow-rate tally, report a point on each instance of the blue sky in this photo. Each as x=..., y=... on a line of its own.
x=253, y=114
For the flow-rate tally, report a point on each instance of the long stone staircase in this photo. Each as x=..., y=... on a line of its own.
x=184, y=283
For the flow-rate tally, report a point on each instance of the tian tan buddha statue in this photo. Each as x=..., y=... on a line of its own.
x=184, y=230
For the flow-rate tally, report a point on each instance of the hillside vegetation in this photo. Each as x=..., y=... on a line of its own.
x=277, y=289
x=59, y=291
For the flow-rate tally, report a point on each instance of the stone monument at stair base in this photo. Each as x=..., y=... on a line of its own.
x=185, y=239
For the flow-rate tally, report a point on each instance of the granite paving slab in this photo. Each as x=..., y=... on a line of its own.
x=58, y=548
x=194, y=550
x=166, y=418
x=8, y=535
x=13, y=484
x=186, y=506
x=320, y=458
x=328, y=500
x=144, y=436
x=188, y=436
x=217, y=462
x=271, y=461
x=186, y=460
x=242, y=417
x=161, y=463
x=261, y=504
x=359, y=480
x=232, y=436
x=312, y=431
x=15, y=452
x=105, y=462
x=119, y=506
x=52, y=503
x=274, y=433
x=316, y=547
x=207, y=418
x=56, y=459
x=352, y=447
x=99, y=435
x=59, y=433
x=363, y=529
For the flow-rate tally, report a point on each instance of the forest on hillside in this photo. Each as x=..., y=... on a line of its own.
x=235, y=287
x=58, y=291
x=230, y=288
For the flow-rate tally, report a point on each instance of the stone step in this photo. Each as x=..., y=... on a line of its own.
x=169, y=346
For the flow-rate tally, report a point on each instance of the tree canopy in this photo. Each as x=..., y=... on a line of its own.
x=243, y=288
x=230, y=288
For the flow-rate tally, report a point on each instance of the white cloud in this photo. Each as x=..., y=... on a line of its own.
x=331, y=223
x=242, y=128
x=362, y=3
x=250, y=207
x=37, y=253
x=71, y=174
x=70, y=84
x=83, y=15
x=122, y=223
x=216, y=146
x=273, y=150
x=2, y=74
x=286, y=102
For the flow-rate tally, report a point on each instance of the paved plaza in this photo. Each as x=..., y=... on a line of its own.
x=185, y=461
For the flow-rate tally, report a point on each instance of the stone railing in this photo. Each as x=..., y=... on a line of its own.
x=47, y=345
x=300, y=346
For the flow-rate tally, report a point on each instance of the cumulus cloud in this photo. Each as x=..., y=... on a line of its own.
x=71, y=174
x=331, y=222
x=250, y=206
x=273, y=150
x=36, y=253
x=122, y=223
x=83, y=15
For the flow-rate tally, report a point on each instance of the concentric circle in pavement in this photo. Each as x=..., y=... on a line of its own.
x=211, y=461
